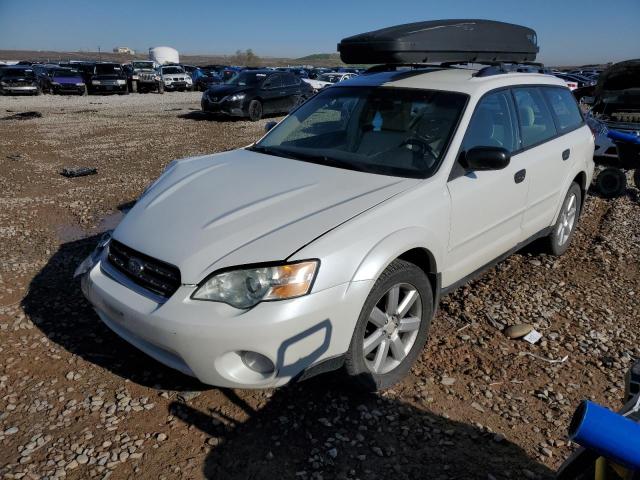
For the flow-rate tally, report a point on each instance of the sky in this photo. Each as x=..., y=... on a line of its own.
x=569, y=32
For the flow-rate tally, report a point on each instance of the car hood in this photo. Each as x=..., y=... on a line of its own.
x=224, y=90
x=173, y=76
x=242, y=207
x=620, y=76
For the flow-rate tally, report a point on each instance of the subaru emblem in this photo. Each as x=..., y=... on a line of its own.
x=135, y=266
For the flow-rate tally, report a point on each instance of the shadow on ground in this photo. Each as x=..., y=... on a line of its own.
x=56, y=305
x=324, y=428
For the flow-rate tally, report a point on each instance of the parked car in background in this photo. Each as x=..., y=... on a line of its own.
x=18, y=79
x=143, y=76
x=58, y=80
x=299, y=72
x=314, y=73
x=204, y=78
x=175, y=78
x=327, y=79
x=105, y=78
x=615, y=103
x=254, y=93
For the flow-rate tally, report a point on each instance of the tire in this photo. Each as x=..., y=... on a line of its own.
x=560, y=237
x=160, y=87
x=85, y=92
x=611, y=182
x=255, y=110
x=134, y=86
x=380, y=369
x=636, y=178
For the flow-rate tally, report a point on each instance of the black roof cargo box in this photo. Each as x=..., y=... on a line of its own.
x=442, y=41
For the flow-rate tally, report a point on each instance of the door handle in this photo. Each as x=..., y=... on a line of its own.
x=520, y=176
x=566, y=154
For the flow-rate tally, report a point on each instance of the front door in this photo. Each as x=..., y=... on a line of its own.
x=486, y=206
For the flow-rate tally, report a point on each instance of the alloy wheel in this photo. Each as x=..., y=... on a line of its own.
x=567, y=220
x=392, y=328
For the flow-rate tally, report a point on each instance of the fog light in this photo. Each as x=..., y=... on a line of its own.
x=257, y=362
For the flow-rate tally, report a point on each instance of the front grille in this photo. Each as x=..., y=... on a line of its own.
x=154, y=275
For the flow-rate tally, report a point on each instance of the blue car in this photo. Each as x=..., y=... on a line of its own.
x=60, y=80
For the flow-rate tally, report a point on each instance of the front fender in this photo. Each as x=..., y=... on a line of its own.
x=395, y=244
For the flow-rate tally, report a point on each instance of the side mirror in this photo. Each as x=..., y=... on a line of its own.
x=269, y=125
x=587, y=100
x=485, y=158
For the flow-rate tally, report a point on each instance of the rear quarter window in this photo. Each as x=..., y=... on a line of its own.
x=564, y=108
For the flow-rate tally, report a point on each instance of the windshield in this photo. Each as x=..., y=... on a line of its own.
x=243, y=79
x=172, y=70
x=330, y=77
x=389, y=131
x=65, y=73
x=143, y=65
x=108, y=69
x=18, y=72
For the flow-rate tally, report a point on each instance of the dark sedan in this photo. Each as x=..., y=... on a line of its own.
x=18, y=79
x=107, y=78
x=254, y=93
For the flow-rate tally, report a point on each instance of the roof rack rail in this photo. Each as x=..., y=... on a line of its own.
x=392, y=67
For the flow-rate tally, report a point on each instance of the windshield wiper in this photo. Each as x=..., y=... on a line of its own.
x=310, y=157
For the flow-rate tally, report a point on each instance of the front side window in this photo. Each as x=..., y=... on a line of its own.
x=492, y=124
x=564, y=107
x=536, y=123
x=389, y=131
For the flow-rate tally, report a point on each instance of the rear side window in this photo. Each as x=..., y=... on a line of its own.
x=536, y=122
x=564, y=107
x=492, y=124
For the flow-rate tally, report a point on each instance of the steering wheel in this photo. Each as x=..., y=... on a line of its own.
x=420, y=147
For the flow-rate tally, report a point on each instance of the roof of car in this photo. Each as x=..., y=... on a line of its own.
x=462, y=80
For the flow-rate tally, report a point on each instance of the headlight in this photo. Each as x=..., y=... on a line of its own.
x=157, y=78
x=134, y=77
x=55, y=83
x=91, y=261
x=236, y=97
x=121, y=82
x=246, y=288
x=80, y=84
x=95, y=82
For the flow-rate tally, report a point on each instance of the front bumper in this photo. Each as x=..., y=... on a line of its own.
x=67, y=89
x=225, y=107
x=19, y=89
x=108, y=88
x=177, y=85
x=203, y=339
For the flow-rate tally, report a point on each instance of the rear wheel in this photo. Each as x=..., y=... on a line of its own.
x=255, y=110
x=611, y=182
x=565, y=226
x=392, y=327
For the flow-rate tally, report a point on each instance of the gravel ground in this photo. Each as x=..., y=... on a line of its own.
x=78, y=402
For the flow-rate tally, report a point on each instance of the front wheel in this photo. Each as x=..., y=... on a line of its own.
x=255, y=110
x=565, y=226
x=636, y=178
x=392, y=327
x=161, y=88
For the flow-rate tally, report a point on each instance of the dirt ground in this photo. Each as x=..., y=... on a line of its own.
x=78, y=402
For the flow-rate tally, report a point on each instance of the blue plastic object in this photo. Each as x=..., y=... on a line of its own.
x=607, y=433
x=617, y=136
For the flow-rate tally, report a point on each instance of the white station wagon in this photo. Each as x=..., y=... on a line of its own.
x=329, y=242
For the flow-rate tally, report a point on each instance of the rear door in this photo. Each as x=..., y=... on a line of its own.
x=290, y=91
x=486, y=206
x=271, y=93
x=545, y=152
